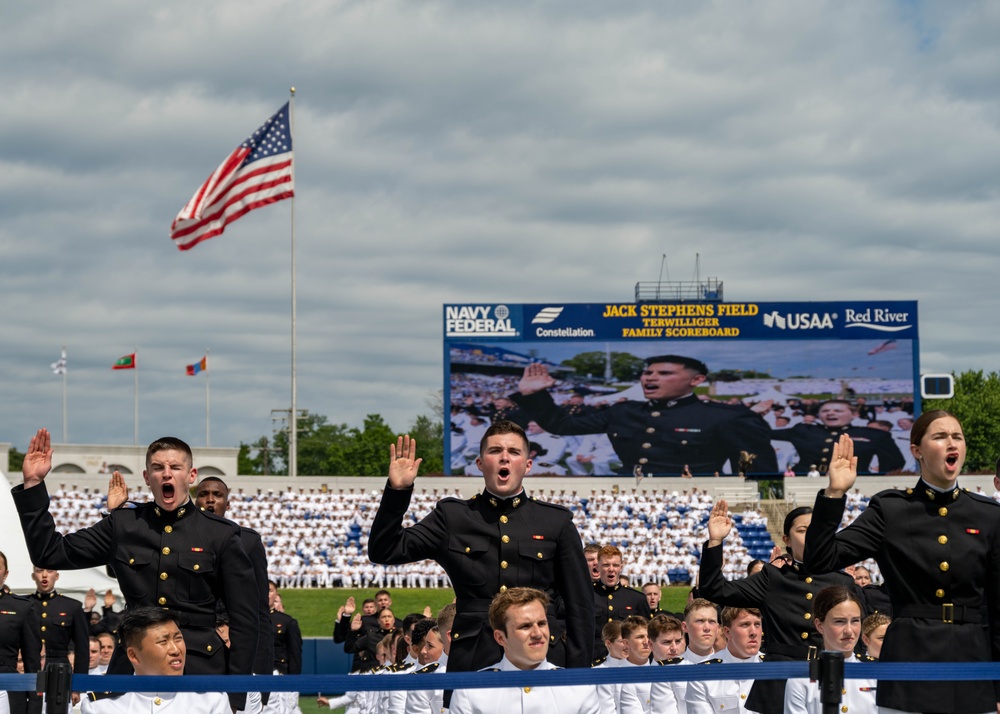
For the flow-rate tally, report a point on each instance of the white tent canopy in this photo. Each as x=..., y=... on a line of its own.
x=71, y=582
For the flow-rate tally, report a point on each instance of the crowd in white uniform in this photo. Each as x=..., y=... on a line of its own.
x=320, y=539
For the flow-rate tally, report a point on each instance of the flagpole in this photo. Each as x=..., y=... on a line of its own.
x=208, y=422
x=65, y=418
x=293, y=429
x=135, y=394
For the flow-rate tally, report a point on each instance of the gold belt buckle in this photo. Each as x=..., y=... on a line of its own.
x=948, y=613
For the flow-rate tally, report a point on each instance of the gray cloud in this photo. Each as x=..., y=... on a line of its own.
x=459, y=152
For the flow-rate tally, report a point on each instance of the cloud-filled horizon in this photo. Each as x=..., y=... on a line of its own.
x=450, y=152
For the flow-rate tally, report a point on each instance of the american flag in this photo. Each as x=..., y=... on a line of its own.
x=258, y=172
x=884, y=347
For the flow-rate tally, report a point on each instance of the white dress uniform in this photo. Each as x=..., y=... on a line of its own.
x=726, y=695
x=609, y=695
x=668, y=697
x=394, y=701
x=634, y=697
x=4, y=706
x=802, y=696
x=428, y=701
x=148, y=703
x=525, y=700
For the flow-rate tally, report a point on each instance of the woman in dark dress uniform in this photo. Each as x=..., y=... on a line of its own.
x=784, y=595
x=938, y=548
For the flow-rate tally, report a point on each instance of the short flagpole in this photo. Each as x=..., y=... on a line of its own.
x=135, y=394
x=65, y=417
x=208, y=420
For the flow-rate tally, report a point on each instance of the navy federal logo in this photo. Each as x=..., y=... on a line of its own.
x=478, y=321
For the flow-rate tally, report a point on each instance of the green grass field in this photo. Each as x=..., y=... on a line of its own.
x=316, y=611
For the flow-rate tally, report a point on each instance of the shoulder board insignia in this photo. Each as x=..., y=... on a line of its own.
x=867, y=658
x=599, y=661
x=715, y=660
x=98, y=696
x=428, y=669
x=672, y=660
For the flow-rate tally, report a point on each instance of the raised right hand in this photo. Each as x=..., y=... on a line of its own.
x=349, y=606
x=536, y=379
x=719, y=523
x=843, y=471
x=403, y=462
x=117, y=491
x=38, y=460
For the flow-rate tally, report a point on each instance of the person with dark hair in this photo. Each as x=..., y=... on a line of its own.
x=938, y=548
x=783, y=595
x=165, y=553
x=351, y=626
x=19, y=632
x=153, y=643
x=814, y=442
x=837, y=617
x=63, y=627
x=429, y=648
x=287, y=638
x=212, y=495
x=497, y=540
x=670, y=431
x=521, y=628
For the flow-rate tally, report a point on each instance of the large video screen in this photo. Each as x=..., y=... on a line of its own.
x=677, y=389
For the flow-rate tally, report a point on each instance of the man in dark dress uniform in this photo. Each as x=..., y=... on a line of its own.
x=285, y=634
x=62, y=627
x=613, y=601
x=212, y=495
x=672, y=430
x=166, y=553
x=18, y=632
x=814, y=442
x=496, y=540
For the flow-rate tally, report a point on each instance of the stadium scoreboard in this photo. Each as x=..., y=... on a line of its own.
x=765, y=350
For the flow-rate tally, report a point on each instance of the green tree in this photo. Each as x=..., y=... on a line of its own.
x=255, y=457
x=977, y=405
x=364, y=452
x=339, y=450
x=624, y=366
x=429, y=434
x=16, y=459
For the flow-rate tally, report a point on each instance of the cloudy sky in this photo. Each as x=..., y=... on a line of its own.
x=469, y=152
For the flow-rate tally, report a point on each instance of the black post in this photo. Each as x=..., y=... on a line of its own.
x=831, y=681
x=55, y=681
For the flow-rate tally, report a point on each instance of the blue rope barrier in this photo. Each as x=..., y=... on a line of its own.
x=900, y=671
